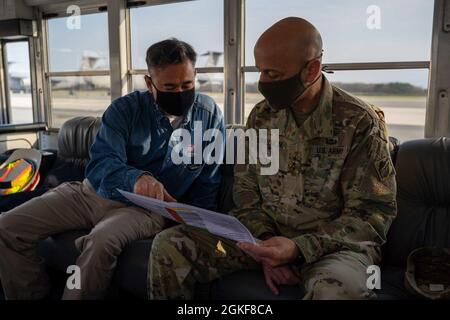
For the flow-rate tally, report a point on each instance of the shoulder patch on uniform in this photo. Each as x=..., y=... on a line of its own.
x=380, y=156
x=384, y=168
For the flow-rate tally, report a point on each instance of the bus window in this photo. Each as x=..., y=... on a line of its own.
x=18, y=66
x=180, y=20
x=78, y=96
x=356, y=31
x=78, y=48
x=155, y=23
x=212, y=85
x=78, y=67
x=352, y=30
x=401, y=94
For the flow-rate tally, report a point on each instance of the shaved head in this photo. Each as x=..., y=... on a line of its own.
x=287, y=45
x=297, y=35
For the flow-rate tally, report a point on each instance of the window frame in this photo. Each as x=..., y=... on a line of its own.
x=5, y=98
x=47, y=74
x=234, y=68
x=132, y=72
x=389, y=65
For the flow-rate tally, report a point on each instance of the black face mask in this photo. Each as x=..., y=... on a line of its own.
x=175, y=103
x=281, y=94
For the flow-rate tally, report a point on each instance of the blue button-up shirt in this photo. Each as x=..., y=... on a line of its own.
x=135, y=138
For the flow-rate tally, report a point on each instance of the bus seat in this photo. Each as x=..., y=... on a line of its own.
x=74, y=140
x=59, y=251
x=76, y=137
x=423, y=198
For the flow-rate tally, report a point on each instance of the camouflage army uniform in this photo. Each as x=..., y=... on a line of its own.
x=334, y=196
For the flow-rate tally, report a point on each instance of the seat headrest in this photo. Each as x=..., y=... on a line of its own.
x=76, y=137
x=423, y=198
x=423, y=171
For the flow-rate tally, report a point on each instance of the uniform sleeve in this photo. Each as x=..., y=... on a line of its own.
x=247, y=196
x=369, y=190
x=108, y=169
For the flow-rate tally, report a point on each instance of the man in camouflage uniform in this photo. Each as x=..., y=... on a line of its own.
x=323, y=217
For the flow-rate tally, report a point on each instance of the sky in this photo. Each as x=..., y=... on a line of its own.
x=404, y=34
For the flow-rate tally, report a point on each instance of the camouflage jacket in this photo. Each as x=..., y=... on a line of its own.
x=335, y=188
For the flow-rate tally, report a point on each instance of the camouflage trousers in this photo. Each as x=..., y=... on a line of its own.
x=182, y=256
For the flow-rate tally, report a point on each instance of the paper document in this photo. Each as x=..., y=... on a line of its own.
x=217, y=223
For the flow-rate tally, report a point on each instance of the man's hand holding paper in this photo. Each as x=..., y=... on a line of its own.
x=216, y=223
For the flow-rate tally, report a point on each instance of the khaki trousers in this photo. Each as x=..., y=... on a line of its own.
x=70, y=206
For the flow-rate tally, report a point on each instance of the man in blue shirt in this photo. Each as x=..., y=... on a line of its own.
x=133, y=151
